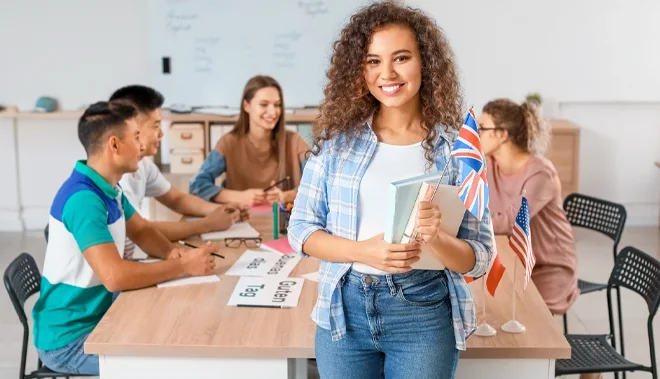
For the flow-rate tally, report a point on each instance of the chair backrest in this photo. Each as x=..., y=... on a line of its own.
x=596, y=214
x=639, y=272
x=22, y=280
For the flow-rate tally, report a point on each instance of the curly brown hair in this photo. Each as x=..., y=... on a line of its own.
x=527, y=130
x=348, y=102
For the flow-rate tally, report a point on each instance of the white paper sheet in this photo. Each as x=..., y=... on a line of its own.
x=264, y=264
x=267, y=292
x=184, y=281
x=238, y=230
x=190, y=281
x=313, y=276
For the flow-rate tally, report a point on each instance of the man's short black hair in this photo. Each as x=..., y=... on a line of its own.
x=145, y=99
x=100, y=119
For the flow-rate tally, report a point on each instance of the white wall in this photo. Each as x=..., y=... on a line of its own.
x=80, y=51
x=75, y=50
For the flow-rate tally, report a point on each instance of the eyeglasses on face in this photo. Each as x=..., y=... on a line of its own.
x=486, y=129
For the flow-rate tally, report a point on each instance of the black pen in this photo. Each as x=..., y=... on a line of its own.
x=276, y=184
x=262, y=306
x=197, y=247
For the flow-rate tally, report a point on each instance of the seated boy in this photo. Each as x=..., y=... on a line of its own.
x=89, y=221
x=148, y=181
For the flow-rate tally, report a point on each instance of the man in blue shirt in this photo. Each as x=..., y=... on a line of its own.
x=89, y=221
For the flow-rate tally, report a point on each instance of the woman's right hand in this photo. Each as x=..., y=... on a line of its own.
x=389, y=257
x=252, y=197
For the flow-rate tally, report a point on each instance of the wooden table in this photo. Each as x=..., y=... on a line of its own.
x=191, y=332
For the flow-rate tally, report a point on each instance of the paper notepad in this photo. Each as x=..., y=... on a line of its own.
x=402, y=213
x=184, y=281
x=190, y=281
x=238, y=230
x=260, y=209
x=279, y=246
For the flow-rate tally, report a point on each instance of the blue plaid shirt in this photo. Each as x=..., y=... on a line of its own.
x=327, y=200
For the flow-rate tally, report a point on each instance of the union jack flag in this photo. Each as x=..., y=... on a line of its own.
x=467, y=148
x=521, y=240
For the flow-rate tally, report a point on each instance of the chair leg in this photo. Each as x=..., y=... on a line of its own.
x=620, y=315
x=565, y=323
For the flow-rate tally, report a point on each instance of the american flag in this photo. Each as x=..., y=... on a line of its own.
x=521, y=240
x=467, y=148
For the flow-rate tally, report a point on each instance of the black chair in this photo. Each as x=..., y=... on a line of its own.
x=640, y=273
x=601, y=216
x=22, y=280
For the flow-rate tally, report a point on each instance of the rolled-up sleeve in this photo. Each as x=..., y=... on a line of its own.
x=310, y=209
x=479, y=235
x=203, y=184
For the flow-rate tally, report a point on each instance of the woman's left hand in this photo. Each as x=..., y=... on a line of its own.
x=274, y=194
x=429, y=219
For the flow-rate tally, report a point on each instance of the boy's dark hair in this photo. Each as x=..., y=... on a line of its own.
x=145, y=99
x=100, y=119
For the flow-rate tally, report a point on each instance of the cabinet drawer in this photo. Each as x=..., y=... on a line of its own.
x=216, y=132
x=186, y=161
x=187, y=136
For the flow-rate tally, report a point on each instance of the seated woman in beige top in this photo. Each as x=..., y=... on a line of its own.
x=257, y=153
x=514, y=139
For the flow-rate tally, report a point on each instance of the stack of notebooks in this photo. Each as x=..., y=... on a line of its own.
x=402, y=212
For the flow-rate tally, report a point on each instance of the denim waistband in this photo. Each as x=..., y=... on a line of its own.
x=392, y=280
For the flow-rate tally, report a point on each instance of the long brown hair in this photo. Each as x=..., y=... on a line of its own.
x=278, y=135
x=348, y=102
x=526, y=129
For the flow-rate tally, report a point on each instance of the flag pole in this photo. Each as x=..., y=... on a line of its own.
x=513, y=302
x=484, y=329
x=513, y=326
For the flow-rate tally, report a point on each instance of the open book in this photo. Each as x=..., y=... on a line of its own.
x=402, y=213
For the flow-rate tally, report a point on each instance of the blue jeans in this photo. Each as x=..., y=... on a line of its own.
x=71, y=359
x=398, y=326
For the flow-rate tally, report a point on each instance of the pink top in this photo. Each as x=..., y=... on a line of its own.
x=555, y=272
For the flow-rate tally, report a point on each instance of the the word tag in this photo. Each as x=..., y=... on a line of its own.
x=267, y=292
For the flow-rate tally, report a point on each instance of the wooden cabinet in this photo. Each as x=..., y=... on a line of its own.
x=192, y=133
x=564, y=152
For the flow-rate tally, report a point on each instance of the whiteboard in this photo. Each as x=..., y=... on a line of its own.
x=215, y=46
x=588, y=50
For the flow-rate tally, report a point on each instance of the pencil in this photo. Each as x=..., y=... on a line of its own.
x=197, y=247
x=276, y=184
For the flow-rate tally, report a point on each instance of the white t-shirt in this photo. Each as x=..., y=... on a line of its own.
x=147, y=181
x=388, y=164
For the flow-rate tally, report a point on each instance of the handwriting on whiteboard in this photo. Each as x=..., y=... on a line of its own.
x=180, y=22
x=203, y=49
x=313, y=7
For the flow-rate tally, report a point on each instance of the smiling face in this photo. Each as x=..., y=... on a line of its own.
x=393, y=66
x=150, y=132
x=264, y=109
x=126, y=147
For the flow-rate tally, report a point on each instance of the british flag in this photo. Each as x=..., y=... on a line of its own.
x=467, y=148
x=521, y=240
